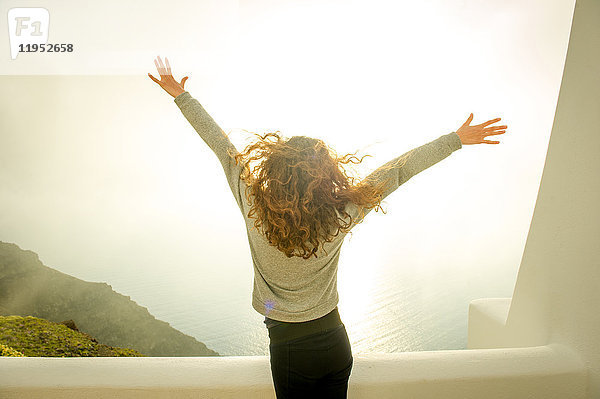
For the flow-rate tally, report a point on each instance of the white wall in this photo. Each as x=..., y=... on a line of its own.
x=558, y=285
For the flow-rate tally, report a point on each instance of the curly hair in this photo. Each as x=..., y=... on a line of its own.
x=297, y=187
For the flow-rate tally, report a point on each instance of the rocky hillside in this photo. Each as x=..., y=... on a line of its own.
x=32, y=336
x=29, y=288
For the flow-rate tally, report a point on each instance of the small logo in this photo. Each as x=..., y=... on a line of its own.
x=27, y=25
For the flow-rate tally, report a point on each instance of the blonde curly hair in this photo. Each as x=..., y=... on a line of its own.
x=297, y=187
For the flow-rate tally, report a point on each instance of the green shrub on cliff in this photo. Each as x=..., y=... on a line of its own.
x=32, y=336
x=6, y=350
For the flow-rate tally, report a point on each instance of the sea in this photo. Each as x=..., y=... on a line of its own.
x=389, y=303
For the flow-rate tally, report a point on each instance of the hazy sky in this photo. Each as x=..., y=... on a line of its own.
x=99, y=170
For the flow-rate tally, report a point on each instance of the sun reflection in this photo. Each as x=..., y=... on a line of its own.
x=358, y=274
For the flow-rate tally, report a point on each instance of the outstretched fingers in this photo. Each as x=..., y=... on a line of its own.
x=154, y=79
x=494, y=133
x=494, y=130
x=469, y=119
x=158, y=68
x=168, y=66
x=484, y=124
x=162, y=70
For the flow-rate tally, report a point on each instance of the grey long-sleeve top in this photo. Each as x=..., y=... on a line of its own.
x=296, y=289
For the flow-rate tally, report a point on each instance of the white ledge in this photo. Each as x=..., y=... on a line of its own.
x=549, y=371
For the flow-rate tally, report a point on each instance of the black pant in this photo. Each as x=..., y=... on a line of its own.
x=314, y=366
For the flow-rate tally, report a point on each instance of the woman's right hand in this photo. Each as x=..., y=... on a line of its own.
x=475, y=134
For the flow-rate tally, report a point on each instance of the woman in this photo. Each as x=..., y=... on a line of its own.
x=302, y=200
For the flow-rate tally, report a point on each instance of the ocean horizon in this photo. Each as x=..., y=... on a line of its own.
x=401, y=309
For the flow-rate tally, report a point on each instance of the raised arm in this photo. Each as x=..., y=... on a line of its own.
x=414, y=161
x=418, y=159
x=215, y=138
x=400, y=169
x=204, y=124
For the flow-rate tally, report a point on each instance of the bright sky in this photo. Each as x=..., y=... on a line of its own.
x=102, y=171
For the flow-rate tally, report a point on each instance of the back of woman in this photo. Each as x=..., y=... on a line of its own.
x=298, y=204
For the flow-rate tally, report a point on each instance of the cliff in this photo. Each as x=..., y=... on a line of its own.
x=29, y=288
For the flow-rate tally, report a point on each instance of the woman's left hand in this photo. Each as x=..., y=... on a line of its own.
x=167, y=82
